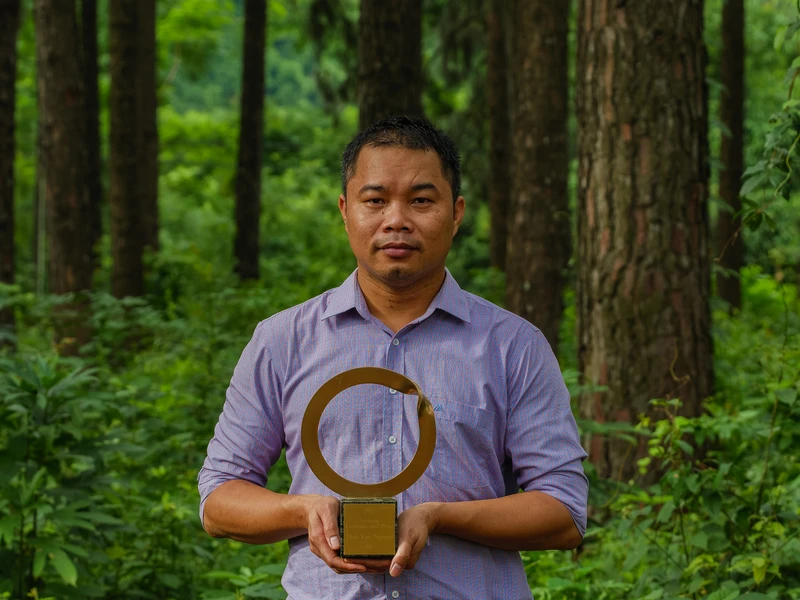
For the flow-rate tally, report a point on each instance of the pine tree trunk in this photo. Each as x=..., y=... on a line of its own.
x=9, y=25
x=643, y=247
x=251, y=141
x=94, y=174
x=500, y=155
x=127, y=233
x=389, y=59
x=539, y=227
x=148, y=128
x=730, y=246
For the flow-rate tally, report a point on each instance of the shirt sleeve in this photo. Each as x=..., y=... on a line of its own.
x=542, y=437
x=249, y=435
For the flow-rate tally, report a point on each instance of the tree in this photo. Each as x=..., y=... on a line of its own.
x=499, y=189
x=389, y=59
x=62, y=122
x=9, y=24
x=148, y=127
x=643, y=248
x=127, y=233
x=729, y=244
x=251, y=141
x=539, y=227
x=94, y=174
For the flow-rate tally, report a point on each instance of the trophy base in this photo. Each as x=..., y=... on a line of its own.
x=368, y=527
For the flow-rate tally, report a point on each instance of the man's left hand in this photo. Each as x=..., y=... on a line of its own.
x=413, y=528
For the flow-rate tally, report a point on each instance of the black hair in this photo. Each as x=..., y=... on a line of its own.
x=415, y=133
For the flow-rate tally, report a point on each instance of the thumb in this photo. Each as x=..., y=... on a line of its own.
x=330, y=525
x=401, y=558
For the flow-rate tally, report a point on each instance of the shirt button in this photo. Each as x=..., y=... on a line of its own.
x=392, y=440
x=395, y=594
x=391, y=391
x=395, y=342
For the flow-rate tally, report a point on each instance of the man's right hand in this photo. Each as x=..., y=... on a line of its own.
x=322, y=522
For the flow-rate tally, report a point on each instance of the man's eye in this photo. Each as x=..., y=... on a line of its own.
x=374, y=200
x=421, y=200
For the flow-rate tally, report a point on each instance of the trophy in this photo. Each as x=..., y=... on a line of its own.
x=367, y=512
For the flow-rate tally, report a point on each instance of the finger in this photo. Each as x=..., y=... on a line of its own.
x=330, y=524
x=402, y=559
x=373, y=565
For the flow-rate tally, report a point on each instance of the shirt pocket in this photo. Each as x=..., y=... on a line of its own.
x=463, y=444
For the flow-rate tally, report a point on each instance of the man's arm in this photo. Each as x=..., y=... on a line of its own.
x=249, y=513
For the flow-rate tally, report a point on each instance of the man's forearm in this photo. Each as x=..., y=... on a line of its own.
x=525, y=521
x=249, y=513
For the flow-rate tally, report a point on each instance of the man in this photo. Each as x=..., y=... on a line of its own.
x=502, y=411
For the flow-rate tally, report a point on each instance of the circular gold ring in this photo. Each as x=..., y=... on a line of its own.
x=309, y=434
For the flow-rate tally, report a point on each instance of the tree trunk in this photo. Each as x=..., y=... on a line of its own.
x=251, y=142
x=730, y=247
x=127, y=235
x=9, y=24
x=539, y=226
x=62, y=122
x=389, y=59
x=643, y=255
x=500, y=154
x=94, y=173
x=148, y=127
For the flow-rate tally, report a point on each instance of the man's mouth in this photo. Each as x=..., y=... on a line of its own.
x=397, y=249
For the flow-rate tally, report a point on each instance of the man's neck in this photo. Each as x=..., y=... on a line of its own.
x=396, y=307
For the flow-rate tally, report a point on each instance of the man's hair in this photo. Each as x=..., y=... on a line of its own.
x=414, y=133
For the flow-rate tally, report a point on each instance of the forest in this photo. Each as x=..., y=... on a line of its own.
x=169, y=175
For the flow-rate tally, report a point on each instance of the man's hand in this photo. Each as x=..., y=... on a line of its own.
x=413, y=528
x=322, y=515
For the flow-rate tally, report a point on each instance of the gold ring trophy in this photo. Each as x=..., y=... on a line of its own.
x=368, y=512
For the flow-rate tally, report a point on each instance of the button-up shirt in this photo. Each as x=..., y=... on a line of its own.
x=503, y=423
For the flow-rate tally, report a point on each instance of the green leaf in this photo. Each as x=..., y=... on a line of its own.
x=723, y=594
x=759, y=569
x=65, y=567
x=753, y=183
x=38, y=562
x=780, y=36
x=787, y=396
x=700, y=540
x=666, y=511
x=264, y=590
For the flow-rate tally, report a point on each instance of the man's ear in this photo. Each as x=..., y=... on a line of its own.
x=458, y=213
x=343, y=209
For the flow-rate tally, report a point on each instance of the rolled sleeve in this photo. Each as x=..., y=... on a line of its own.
x=542, y=437
x=249, y=435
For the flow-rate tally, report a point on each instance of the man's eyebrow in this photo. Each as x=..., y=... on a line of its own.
x=424, y=186
x=372, y=187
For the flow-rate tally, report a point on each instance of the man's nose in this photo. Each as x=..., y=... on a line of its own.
x=396, y=217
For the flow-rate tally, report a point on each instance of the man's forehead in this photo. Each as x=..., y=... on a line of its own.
x=422, y=166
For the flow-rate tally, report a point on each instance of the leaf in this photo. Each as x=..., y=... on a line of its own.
x=65, y=567
x=38, y=562
x=753, y=183
x=787, y=396
x=666, y=511
x=700, y=540
x=272, y=569
x=723, y=595
x=264, y=590
x=759, y=569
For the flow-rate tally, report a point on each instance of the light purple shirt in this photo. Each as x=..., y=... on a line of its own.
x=503, y=423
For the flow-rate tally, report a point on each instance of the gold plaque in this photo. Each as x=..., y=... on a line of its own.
x=368, y=512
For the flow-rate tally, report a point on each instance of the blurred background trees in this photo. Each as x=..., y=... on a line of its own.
x=168, y=178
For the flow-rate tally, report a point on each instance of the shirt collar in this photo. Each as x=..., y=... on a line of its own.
x=348, y=296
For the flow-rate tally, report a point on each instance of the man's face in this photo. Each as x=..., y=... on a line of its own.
x=399, y=214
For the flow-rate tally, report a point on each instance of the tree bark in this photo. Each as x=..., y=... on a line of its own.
x=148, y=127
x=539, y=227
x=9, y=25
x=94, y=173
x=389, y=59
x=500, y=154
x=730, y=247
x=62, y=122
x=643, y=248
x=251, y=142
x=127, y=235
